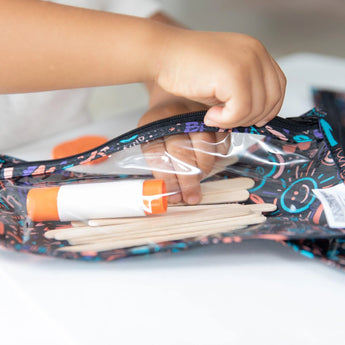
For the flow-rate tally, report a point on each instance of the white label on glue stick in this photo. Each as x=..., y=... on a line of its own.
x=101, y=200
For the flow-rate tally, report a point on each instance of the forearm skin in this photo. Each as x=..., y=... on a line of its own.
x=46, y=46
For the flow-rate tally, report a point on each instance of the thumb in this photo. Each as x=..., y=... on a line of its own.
x=218, y=116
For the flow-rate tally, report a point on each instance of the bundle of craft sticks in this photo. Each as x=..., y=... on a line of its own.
x=218, y=212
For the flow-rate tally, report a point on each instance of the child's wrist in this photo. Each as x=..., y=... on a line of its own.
x=163, y=39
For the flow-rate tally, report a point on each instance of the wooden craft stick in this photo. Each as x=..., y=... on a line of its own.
x=78, y=224
x=130, y=229
x=213, y=193
x=217, y=192
x=229, y=185
x=226, y=190
x=99, y=247
x=120, y=233
x=215, y=214
x=115, y=244
x=218, y=198
x=266, y=207
x=172, y=213
x=111, y=221
x=177, y=216
x=222, y=197
x=151, y=238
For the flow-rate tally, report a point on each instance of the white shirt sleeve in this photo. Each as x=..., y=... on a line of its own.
x=139, y=8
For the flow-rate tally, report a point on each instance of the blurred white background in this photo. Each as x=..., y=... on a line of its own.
x=284, y=27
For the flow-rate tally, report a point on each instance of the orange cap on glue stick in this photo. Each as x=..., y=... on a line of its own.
x=128, y=198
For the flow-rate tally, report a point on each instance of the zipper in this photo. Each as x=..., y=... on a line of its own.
x=160, y=128
x=182, y=123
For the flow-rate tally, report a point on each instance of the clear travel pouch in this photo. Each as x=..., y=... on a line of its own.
x=246, y=183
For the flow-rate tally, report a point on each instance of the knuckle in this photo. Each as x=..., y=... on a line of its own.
x=223, y=143
x=154, y=147
x=255, y=45
x=260, y=108
x=245, y=108
x=206, y=164
x=270, y=117
x=182, y=154
x=284, y=79
x=276, y=98
x=241, y=107
x=250, y=40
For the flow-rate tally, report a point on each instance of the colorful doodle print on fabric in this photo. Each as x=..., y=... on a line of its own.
x=298, y=160
x=330, y=251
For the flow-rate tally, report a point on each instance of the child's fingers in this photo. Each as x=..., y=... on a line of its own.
x=223, y=143
x=260, y=102
x=282, y=77
x=248, y=97
x=267, y=92
x=276, y=91
x=213, y=116
x=271, y=84
x=282, y=82
x=259, y=95
x=162, y=168
x=188, y=174
x=241, y=82
x=182, y=161
x=205, y=149
x=270, y=116
x=235, y=93
x=279, y=102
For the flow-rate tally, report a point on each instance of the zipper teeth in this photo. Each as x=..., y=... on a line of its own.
x=191, y=116
x=150, y=126
x=196, y=116
x=296, y=124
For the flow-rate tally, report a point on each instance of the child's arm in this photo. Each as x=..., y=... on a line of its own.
x=46, y=46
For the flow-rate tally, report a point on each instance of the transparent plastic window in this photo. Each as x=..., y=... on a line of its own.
x=169, y=186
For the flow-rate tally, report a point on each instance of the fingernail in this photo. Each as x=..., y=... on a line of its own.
x=193, y=199
x=211, y=123
x=260, y=123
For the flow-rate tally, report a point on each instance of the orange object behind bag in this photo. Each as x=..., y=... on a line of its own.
x=79, y=145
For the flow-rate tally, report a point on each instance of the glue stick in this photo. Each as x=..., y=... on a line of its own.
x=129, y=198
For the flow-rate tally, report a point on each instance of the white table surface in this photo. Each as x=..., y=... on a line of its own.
x=252, y=292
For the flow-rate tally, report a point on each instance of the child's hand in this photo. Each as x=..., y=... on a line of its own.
x=232, y=73
x=47, y=46
x=187, y=158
